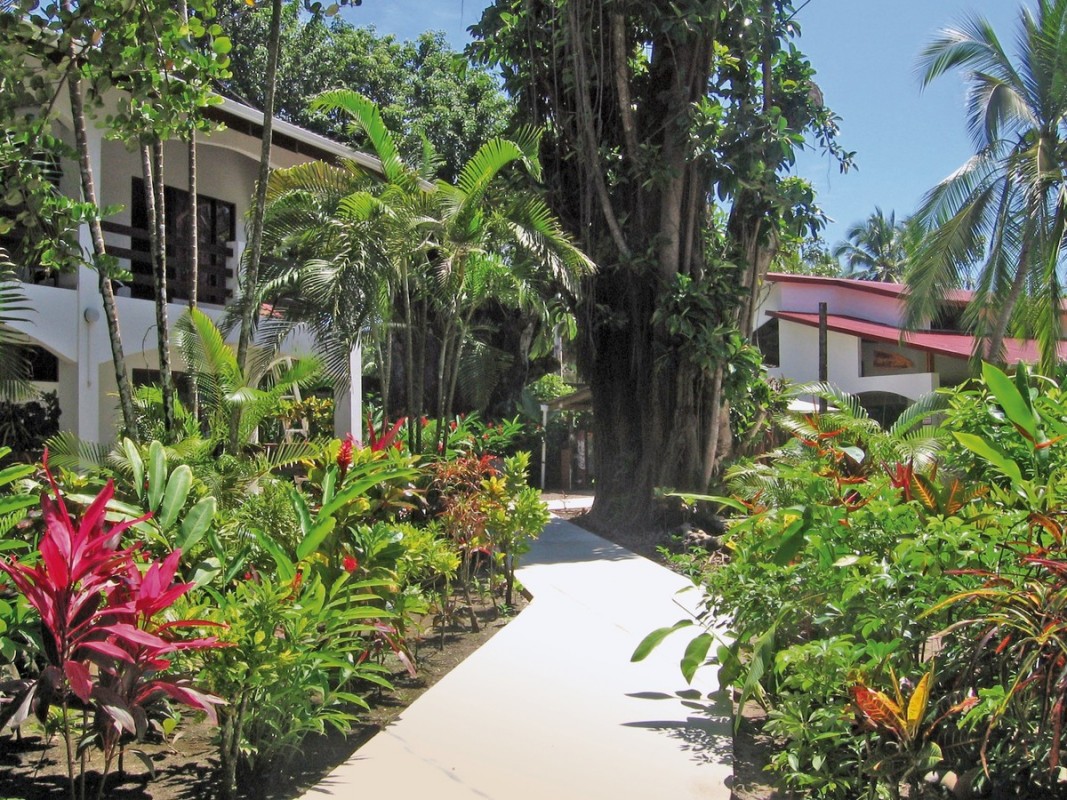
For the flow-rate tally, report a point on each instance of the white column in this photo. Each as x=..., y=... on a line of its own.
x=94, y=346
x=348, y=404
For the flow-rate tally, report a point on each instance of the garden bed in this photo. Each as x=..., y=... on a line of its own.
x=34, y=768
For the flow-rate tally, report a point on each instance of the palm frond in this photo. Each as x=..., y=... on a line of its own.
x=67, y=451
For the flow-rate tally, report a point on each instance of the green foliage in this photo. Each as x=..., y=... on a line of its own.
x=998, y=222
x=425, y=90
x=879, y=248
x=515, y=515
x=549, y=387
x=857, y=557
x=224, y=388
x=291, y=649
x=24, y=427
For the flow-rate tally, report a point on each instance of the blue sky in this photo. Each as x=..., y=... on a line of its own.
x=865, y=54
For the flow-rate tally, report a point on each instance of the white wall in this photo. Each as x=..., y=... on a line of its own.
x=799, y=351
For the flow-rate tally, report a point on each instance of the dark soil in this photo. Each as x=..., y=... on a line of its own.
x=33, y=766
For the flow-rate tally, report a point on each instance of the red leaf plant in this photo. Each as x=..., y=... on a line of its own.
x=105, y=647
x=387, y=438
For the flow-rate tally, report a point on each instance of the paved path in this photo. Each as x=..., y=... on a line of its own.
x=551, y=707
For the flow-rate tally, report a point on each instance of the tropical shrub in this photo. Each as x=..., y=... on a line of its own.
x=516, y=515
x=106, y=642
x=857, y=557
x=294, y=644
x=25, y=427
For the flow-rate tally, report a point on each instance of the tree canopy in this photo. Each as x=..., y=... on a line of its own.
x=423, y=88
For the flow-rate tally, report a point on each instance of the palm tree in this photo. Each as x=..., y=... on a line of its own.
x=412, y=255
x=228, y=391
x=878, y=249
x=1005, y=209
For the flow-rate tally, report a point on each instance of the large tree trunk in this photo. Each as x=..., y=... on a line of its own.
x=633, y=161
x=107, y=294
x=653, y=408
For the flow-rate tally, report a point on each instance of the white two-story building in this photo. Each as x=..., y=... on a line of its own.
x=869, y=353
x=72, y=354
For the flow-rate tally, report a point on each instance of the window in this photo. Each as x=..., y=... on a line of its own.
x=766, y=339
x=949, y=317
x=217, y=227
x=43, y=365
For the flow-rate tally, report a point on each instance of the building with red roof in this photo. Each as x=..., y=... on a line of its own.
x=869, y=352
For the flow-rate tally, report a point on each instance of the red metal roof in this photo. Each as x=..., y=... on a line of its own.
x=957, y=345
x=869, y=287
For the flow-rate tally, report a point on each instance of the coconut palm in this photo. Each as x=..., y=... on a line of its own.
x=878, y=249
x=1005, y=209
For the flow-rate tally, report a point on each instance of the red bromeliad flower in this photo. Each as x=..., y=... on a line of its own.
x=350, y=564
x=344, y=454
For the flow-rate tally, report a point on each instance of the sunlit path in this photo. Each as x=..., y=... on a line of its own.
x=552, y=707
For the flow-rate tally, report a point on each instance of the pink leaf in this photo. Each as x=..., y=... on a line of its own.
x=190, y=697
x=80, y=681
x=92, y=524
x=134, y=635
x=109, y=650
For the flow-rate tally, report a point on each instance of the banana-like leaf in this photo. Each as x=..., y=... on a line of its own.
x=157, y=474
x=318, y=534
x=653, y=640
x=135, y=463
x=181, y=480
x=196, y=523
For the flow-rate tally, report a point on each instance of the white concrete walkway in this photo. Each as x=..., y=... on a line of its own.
x=551, y=707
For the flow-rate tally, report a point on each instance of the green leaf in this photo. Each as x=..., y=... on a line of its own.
x=157, y=474
x=695, y=655
x=286, y=568
x=1016, y=409
x=728, y=502
x=221, y=45
x=17, y=502
x=146, y=760
x=762, y=658
x=310, y=543
x=300, y=506
x=196, y=523
x=652, y=641
x=136, y=466
x=793, y=540
x=206, y=571
x=329, y=481
x=181, y=480
x=991, y=453
x=15, y=472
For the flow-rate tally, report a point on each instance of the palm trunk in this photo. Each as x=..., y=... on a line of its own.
x=251, y=271
x=409, y=358
x=107, y=294
x=194, y=253
x=450, y=400
x=443, y=356
x=152, y=167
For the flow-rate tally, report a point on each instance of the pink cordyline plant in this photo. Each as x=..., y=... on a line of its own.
x=104, y=646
